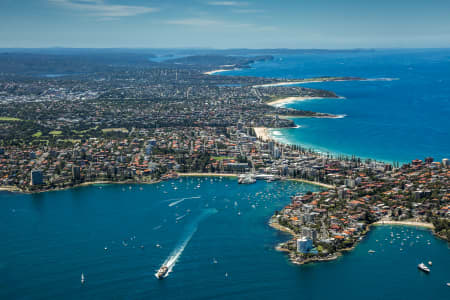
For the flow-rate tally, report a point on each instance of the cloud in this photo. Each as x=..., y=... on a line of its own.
x=209, y=23
x=227, y=3
x=194, y=22
x=248, y=11
x=100, y=8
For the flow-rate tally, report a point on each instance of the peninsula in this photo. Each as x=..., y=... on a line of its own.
x=137, y=121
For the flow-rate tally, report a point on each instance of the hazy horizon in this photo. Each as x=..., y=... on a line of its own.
x=322, y=24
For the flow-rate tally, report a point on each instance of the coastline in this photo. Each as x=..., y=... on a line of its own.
x=9, y=189
x=262, y=133
x=219, y=71
x=279, y=227
x=328, y=186
x=404, y=223
x=274, y=224
x=332, y=256
x=286, y=83
x=207, y=175
x=215, y=71
x=18, y=190
x=283, y=101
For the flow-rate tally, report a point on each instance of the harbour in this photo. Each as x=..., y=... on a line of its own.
x=52, y=238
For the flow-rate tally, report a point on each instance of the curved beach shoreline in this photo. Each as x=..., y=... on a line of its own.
x=404, y=223
x=283, y=101
x=215, y=71
x=206, y=175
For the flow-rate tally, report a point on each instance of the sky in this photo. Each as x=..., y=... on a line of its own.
x=327, y=24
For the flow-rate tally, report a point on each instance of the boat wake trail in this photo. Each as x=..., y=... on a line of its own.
x=381, y=79
x=171, y=261
x=181, y=200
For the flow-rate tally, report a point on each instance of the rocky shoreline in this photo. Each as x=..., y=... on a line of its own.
x=333, y=256
x=14, y=189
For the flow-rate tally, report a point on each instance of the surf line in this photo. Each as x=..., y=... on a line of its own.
x=172, y=259
x=181, y=200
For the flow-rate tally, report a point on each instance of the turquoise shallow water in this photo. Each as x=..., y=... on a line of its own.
x=393, y=120
x=49, y=239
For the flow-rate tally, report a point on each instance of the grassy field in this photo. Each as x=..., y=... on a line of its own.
x=37, y=134
x=73, y=141
x=9, y=119
x=220, y=158
x=84, y=131
x=106, y=130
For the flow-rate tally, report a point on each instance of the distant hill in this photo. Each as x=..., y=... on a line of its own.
x=218, y=60
x=37, y=63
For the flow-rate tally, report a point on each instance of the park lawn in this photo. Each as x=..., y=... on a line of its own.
x=106, y=130
x=37, y=134
x=9, y=119
x=220, y=158
x=73, y=141
x=84, y=131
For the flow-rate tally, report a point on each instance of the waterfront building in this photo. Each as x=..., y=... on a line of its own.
x=309, y=233
x=76, y=173
x=304, y=245
x=446, y=162
x=350, y=183
x=36, y=177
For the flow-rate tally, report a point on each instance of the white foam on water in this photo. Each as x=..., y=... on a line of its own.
x=181, y=200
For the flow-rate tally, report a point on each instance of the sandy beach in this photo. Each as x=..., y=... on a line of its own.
x=276, y=225
x=287, y=100
x=284, y=83
x=287, y=83
x=328, y=186
x=215, y=71
x=206, y=175
x=9, y=189
x=406, y=223
x=263, y=133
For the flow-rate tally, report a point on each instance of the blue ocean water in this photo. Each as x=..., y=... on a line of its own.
x=49, y=239
x=393, y=120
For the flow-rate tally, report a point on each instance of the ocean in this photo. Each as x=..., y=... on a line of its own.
x=403, y=116
x=119, y=235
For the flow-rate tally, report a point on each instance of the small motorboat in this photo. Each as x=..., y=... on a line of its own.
x=82, y=278
x=430, y=263
x=162, y=272
x=423, y=268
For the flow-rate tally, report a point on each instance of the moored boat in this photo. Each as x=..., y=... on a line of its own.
x=246, y=179
x=423, y=268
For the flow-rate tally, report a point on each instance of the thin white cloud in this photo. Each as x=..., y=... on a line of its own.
x=217, y=24
x=100, y=8
x=194, y=22
x=248, y=11
x=227, y=3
